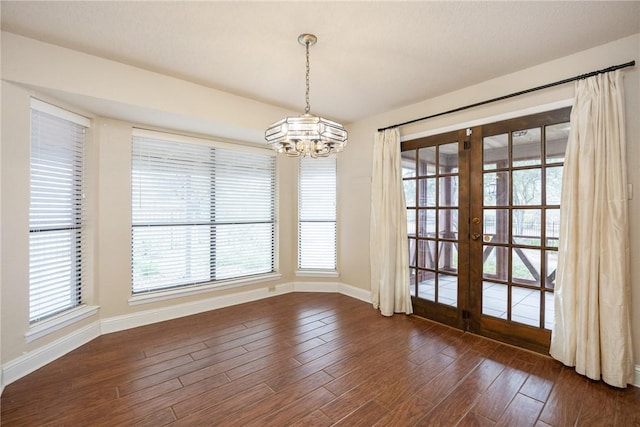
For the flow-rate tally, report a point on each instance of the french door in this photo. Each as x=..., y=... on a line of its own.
x=483, y=211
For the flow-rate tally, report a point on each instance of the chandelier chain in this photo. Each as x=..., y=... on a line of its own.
x=308, y=107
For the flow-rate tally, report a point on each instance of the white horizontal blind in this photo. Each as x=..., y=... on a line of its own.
x=55, y=211
x=199, y=213
x=317, y=214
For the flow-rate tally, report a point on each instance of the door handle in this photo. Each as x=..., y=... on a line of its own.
x=475, y=236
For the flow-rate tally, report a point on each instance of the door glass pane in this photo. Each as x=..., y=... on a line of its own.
x=496, y=226
x=548, y=310
x=448, y=158
x=427, y=218
x=427, y=254
x=448, y=224
x=556, y=137
x=411, y=222
x=449, y=191
x=426, y=285
x=526, y=147
x=496, y=262
x=525, y=266
x=409, y=192
x=527, y=227
x=525, y=306
x=412, y=252
x=552, y=229
x=427, y=192
x=412, y=281
x=551, y=266
x=494, y=299
x=495, y=151
x=527, y=187
x=554, y=185
x=448, y=289
x=408, y=159
x=427, y=161
x=448, y=257
x=496, y=189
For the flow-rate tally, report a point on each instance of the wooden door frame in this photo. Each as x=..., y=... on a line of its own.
x=468, y=313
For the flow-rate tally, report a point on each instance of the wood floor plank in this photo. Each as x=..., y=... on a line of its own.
x=541, y=380
x=483, y=375
x=565, y=400
x=298, y=409
x=406, y=413
x=627, y=405
x=471, y=419
x=522, y=411
x=307, y=359
x=366, y=390
x=226, y=364
x=409, y=383
x=226, y=408
x=598, y=406
x=501, y=392
x=157, y=418
x=282, y=398
x=314, y=419
x=365, y=416
x=447, y=380
x=451, y=409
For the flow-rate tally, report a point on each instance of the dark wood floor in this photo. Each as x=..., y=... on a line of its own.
x=309, y=360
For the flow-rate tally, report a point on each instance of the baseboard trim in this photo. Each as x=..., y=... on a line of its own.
x=147, y=317
x=333, y=287
x=35, y=359
x=636, y=381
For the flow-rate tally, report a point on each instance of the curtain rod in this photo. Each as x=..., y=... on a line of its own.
x=511, y=95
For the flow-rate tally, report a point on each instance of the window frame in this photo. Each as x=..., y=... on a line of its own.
x=317, y=271
x=50, y=180
x=195, y=287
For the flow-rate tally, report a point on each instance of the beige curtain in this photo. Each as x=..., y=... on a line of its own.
x=389, y=254
x=592, y=320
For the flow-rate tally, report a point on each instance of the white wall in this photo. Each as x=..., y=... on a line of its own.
x=354, y=167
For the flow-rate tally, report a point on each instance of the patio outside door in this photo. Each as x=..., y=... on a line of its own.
x=483, y=214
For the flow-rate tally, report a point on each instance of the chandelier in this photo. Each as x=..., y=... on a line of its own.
x=306, y=134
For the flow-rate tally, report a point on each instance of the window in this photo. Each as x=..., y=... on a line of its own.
x=55, y=210
x=201, y=211
x=317, y=214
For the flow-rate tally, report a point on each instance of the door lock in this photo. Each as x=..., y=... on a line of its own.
x=475, y=236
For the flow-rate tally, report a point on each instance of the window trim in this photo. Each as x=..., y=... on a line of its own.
x=61, y=320
x=184, y=291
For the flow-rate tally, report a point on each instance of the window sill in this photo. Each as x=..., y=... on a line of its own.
x=56, y=323
x=317, y=273
x=161, y=295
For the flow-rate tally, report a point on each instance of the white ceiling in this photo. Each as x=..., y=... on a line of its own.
x=371, y=57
